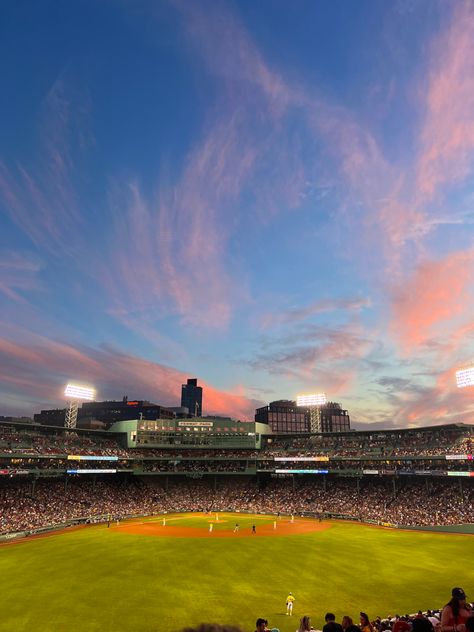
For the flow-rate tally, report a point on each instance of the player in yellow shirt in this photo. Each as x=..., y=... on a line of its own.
x=289, y=604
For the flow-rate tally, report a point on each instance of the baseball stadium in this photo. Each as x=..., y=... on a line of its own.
x=159, y=525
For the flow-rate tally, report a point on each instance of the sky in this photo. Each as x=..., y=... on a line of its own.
x=273, y=197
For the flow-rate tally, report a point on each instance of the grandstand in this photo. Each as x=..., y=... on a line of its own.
x=414, y=477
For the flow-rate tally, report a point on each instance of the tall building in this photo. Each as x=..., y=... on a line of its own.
x=334, y=418
x=191, y=397
x=285, y=417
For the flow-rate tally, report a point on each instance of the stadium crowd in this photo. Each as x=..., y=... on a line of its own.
x=25, y=506
x=433, y=442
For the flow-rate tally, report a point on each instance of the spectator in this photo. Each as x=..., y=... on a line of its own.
x=401, y=624
x=331, y=625
x=455, y=613
x=305, y=625
x=365, y=624
x=213, y=627
x=347, y=625
x=421, y=624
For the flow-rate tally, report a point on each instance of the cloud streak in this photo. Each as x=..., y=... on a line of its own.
x=18, y=275
x=323, y=306
x=36, y=367
x=41, y=200
x=313, y=354
x=447, y=138
x=252, y=162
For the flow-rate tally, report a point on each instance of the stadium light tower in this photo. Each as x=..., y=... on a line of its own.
x=465, y=377
x=76, y=393
x=313, y=402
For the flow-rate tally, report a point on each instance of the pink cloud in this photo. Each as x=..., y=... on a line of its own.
x=441, y=403
x=33, y=366
x=447, y=138
x=438, y=293
x=176, y=243
x=222, y=41
x=314, y=355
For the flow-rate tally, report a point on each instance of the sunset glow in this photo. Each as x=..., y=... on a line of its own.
x=272, y=202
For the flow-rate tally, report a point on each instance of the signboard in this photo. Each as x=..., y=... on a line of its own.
x=73, y=457
x=459, y=457
x=196, y=424
x=301, y=471
x=91, y=471
x=301, y=458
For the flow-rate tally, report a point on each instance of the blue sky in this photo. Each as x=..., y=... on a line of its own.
x=272, y=197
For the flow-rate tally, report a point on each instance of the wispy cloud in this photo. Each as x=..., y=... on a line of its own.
x=433, y=403
x=252, y=162
x=327, y=356
x=175, y=242
x=40, y=198
x=322, y=306
x=447, y=138
x=37, y=367
x=220, y=38
x=18, y=275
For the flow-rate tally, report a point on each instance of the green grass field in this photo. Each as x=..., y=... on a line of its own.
x=98, y=579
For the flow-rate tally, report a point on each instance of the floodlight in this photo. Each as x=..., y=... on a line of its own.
x=75, y=391
x=315, y=399
x=465, y=377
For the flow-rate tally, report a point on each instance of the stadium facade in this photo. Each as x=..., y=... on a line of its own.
x=207, y=463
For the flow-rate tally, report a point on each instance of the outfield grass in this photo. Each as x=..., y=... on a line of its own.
x=100, y=579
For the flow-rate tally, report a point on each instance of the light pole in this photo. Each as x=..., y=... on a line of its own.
x=313, y=403
x=75, y=394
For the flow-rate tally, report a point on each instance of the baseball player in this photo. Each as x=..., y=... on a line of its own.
x=289, y=604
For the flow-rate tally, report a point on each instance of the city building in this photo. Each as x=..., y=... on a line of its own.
x=181, y=412
x=191, y=397
x=107, y=412
x=20, y=420
x=334, y=418
x=285, y=417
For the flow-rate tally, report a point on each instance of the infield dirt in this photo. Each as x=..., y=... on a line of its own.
x=284, y=528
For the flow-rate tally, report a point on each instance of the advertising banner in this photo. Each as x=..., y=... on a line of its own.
x=301, y=471
x=73, y=457
x=301, y=458
x=91, y=471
